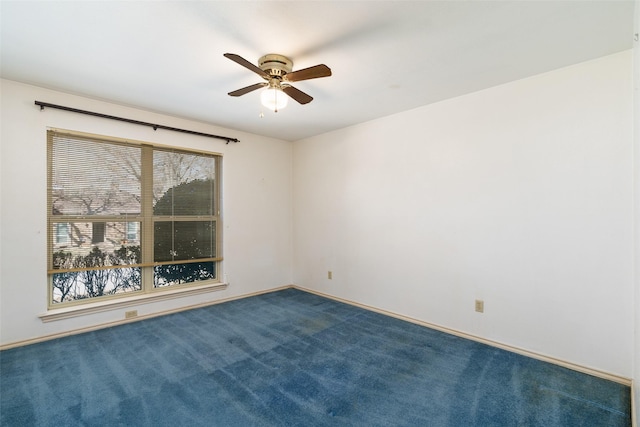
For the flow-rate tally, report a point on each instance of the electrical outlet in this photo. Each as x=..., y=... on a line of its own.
x=330, y=275
x=130, y=314
x=479, y=306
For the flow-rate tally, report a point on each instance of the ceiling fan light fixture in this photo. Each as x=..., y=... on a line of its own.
x=273, y=98
x=277, y=72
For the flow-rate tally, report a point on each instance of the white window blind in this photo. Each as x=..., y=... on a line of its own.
x=127, y=217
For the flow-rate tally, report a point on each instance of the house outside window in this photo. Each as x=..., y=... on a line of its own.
x=129, y=218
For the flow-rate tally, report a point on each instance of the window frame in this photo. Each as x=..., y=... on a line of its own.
x=144, y=223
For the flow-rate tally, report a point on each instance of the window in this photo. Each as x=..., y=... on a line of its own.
x=132, y=232
x=98, y=232
x=129, y=218
x=62, y=233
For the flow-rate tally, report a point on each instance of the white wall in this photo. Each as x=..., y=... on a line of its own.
x=636, y=135
x=256, y=191
x=520, y=195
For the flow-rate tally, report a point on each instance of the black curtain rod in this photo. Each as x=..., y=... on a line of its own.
x=137, y=122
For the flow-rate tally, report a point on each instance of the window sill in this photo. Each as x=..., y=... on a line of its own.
x=113, y=304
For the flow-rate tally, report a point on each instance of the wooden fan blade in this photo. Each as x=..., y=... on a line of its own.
x=240, y=60
x=314, y=72
x=297, y=94
x=247, y=89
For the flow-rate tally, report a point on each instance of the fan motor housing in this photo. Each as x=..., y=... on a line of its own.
x=275, y=65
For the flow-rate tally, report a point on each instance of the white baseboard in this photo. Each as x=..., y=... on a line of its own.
x=131, y=320
x=545, y=358
x=534, y=355
x=563, y=363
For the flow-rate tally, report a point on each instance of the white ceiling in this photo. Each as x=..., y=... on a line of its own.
x=386, y=56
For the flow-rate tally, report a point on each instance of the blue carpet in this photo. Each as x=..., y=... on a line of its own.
x=290, y=358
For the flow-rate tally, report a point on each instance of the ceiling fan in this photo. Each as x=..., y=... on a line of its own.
x=277, y=72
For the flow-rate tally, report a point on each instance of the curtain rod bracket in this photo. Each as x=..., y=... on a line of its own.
x=136, y=122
